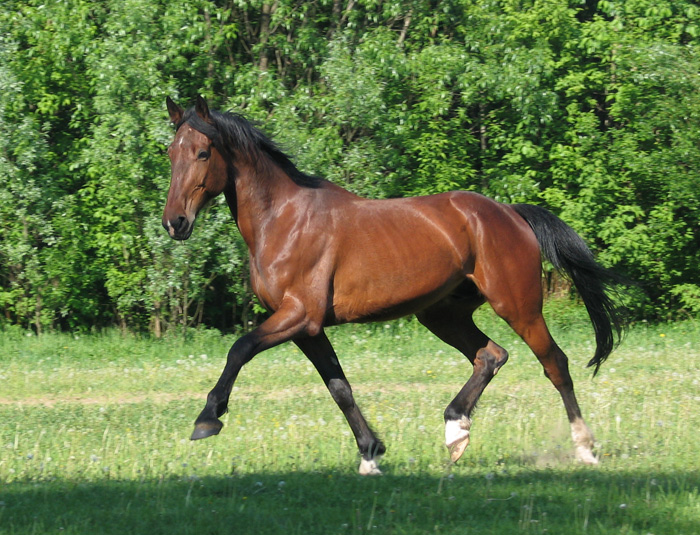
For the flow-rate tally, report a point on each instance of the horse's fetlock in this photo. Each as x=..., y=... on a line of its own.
x=372, y=449
x=452, y=414
x=221, y=409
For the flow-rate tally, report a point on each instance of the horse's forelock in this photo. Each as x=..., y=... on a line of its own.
x=209, y=129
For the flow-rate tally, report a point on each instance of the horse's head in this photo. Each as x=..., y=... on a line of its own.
x=198, y=169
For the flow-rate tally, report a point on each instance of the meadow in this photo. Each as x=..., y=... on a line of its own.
x=94, y=437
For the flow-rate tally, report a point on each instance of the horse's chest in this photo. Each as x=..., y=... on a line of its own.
x=273, y=278
x=263, y=288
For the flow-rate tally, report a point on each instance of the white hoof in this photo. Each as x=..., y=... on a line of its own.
x=583, y=441
x=585, y=455
x=370, y=467
x=457, y=436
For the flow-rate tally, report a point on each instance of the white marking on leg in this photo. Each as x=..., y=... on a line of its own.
x=370, y=467
x=457, y=436
x=583, y=441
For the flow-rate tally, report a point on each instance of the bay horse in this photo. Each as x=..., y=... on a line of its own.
x=322, y=256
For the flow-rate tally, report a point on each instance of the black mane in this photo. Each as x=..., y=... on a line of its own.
x=232, y=132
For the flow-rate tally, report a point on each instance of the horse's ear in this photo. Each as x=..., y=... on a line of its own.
x=174, y=110
x=201, y=108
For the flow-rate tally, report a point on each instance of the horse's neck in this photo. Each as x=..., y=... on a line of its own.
x=259, y=192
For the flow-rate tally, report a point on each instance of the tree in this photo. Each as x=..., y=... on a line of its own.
x=589, y=108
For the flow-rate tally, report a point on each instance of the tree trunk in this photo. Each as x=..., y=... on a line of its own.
x=404, y=30
x=264, y=36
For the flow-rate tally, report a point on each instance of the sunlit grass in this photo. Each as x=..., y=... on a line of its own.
x=94, y=437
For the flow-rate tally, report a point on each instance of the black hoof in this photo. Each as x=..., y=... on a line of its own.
x=206, y=429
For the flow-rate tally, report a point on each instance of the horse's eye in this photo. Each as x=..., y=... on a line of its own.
x=203, y=155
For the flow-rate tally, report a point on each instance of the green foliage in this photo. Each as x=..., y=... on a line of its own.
x=589, y=108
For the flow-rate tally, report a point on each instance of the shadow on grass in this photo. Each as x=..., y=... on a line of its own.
x=578, y=501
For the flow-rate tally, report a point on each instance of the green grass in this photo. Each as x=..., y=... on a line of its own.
x=94, y=437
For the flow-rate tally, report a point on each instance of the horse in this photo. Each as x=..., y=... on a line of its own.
x=322, y=256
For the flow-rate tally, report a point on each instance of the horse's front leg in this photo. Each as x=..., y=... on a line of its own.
x=287, y=322
x=320, y=352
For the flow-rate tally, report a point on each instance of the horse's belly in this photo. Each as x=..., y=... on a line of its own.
x=392, y=291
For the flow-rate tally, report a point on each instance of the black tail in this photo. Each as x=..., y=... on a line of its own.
x=569, y=254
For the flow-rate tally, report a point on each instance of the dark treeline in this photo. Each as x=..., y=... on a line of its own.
x=590, y=108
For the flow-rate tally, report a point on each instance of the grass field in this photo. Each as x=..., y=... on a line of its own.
x=94, y=437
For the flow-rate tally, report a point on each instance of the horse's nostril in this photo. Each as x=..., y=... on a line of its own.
x=178, y=227
x=179, y=223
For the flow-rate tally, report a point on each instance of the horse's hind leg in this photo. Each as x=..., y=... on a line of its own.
x=319, y=351
x=509, y=276
x=451, y=321
x=520, y=304
x=535, y=333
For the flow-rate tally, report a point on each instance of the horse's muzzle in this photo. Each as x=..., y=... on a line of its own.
x=178, y=228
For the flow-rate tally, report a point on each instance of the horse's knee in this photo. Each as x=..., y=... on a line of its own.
x=491, y=358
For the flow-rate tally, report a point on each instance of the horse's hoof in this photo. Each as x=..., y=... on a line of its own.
x=457, y=437
x=369, y=467
x=584, y=442
x=585, y=456
x=206, y=429
x=456, y=449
